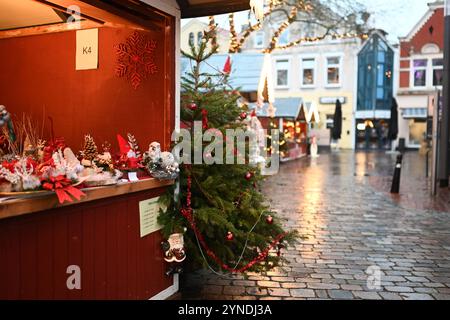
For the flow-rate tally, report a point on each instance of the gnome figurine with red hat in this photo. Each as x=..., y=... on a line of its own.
x=128, y=160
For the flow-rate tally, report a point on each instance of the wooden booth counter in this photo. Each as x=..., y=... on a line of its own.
x=41, y=242
x=11, y=205
x=97, y=68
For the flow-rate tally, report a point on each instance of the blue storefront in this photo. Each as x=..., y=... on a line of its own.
x=375, y=92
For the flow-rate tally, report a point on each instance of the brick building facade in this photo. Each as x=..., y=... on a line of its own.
x=421, y=73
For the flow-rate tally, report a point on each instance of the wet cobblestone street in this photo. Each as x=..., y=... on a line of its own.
x=341, y=204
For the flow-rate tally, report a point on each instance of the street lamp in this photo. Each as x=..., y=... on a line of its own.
x=444, y=143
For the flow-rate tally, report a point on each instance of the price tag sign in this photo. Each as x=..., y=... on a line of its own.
x=87, y=49
x=149, y=212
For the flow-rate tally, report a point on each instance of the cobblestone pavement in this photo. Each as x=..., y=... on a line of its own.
x=341, y=203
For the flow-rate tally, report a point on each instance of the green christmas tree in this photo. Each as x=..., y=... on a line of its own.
x=231, y=227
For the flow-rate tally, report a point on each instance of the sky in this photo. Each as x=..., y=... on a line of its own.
x=397, y=17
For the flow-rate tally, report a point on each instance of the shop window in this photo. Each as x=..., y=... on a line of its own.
x=438, y=72
x=259, y=40
x=420, y=72
x=333, y=71
x=282, y=67
x=308, y=72
x=199, y=38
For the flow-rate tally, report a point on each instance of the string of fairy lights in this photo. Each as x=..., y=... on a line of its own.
x=236, y=43
x=213, y=30
x=335, y=36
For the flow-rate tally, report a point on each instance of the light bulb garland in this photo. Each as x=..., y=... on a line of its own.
x=234, y=43
x=213, y=31
x=334, y=36
x=282, y=28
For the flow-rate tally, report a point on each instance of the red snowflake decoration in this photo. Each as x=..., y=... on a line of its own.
x=135, y=59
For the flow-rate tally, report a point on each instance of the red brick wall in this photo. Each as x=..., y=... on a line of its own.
x=421, y=38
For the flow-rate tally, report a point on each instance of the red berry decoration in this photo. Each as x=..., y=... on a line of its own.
x=193, y=106
x=230, y=236
x=269, y=219
x=243, y=115
x=248, y=176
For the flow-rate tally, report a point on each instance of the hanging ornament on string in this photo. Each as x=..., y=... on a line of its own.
x=257, y=7
x=243, y=115
x=248, y=176
x=269, y=219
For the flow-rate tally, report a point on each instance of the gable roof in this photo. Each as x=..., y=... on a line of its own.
x=419, y=25
x=380, y=33
x=246, y=69
x=194, y=21
x=285, y=108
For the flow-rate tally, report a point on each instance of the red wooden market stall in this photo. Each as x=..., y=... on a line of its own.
x=94, y=248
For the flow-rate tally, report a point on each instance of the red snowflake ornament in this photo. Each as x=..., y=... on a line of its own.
x=135, y=58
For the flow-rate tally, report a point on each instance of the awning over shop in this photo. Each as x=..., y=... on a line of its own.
x=201, y=8
x=245, y=69
x=414, y=113
x=287, y=108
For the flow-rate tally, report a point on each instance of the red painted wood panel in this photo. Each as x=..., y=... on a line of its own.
x=45, y=255
x=38, y=78
x=102, y=237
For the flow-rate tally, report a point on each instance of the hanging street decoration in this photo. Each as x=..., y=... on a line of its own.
x=135, y=58
x=257, y=8
x=266, y=84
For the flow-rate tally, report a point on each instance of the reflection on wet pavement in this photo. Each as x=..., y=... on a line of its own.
x=352, y=225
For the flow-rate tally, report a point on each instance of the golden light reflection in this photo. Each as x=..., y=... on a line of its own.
x=311, y=220
x=361, y=164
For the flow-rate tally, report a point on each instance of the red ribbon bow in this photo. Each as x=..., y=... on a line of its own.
x=63, y=188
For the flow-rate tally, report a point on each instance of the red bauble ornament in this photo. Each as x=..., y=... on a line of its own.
x=243, y=115
x=269, y=219
x=248, y=176
x=230, y=236
x=192, y=106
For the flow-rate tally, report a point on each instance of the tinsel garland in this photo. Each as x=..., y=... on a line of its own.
x=187, y=213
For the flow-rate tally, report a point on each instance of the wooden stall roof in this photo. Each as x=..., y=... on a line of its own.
x=201, y=8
